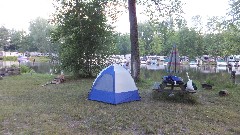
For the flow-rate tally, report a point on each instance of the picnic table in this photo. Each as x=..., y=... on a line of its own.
x=172, y=81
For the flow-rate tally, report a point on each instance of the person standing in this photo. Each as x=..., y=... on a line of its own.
x=33, y=61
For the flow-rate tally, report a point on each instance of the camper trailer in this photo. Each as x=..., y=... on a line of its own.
x=233, y=61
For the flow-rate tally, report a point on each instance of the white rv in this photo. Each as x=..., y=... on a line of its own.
x=233, y=61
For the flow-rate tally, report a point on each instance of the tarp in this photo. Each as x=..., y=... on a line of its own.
x=173, y=65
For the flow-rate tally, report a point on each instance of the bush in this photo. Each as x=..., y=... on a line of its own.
x=25, y=69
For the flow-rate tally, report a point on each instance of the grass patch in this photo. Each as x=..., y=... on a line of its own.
x=37, y=59
x=29, y=108
x=40, y=59
x=178, y=97
x=10, y=58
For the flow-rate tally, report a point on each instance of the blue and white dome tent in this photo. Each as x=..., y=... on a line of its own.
x=114, y=85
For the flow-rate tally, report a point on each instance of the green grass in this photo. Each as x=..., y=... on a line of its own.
x=10, y=58
x=29, y=108
x=40, y=59
x=37, y=59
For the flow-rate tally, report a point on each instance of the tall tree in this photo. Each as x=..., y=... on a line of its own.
x=4, y=37
x=146, y=35
x=233, y=27
x=123, y=45
x=86, y=39
x=166, y=31
x=215, y=24
x=231, y=39
x=16, y=40
x=150, y=39
x=40, y=34
x=190, y=42
x=135, y=58
x=166, y=16
x=27, y=44
x=197, y=23
x=234, y=12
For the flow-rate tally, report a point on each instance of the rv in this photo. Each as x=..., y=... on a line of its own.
x=233, y=61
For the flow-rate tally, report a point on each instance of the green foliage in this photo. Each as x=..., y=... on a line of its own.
x=156, y=45
x=86, y=39
x=164, y=18
x=146, y=34
x=158, y=38
x=26, y=44
x=188, y=42
x=17, y=39
x=123, y=44
x=162, y=10
x=234, y=12
x=25, y=69
x=4, y=37
x=40, y=36
x=151, y=40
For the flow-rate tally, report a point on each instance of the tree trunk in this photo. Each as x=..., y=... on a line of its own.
x=135, y=59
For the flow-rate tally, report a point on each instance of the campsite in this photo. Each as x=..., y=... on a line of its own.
x=29, y=108
x=100, y=67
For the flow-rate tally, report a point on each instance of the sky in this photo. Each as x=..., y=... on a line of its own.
x=16, y=14
x=205, y=8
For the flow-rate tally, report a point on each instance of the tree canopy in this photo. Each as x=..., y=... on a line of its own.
x=4, y=37
x=85, y=37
